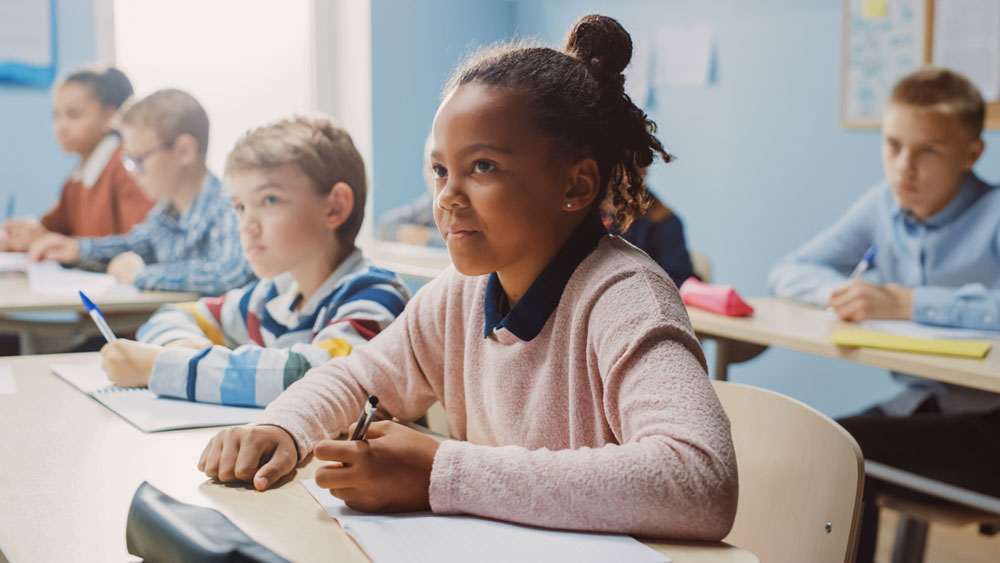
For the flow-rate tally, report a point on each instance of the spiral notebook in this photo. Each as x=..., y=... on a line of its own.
x=146, y=410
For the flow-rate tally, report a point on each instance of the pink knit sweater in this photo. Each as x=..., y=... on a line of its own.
x=605, y=421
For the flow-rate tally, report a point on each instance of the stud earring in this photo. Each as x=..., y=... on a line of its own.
x=568, y=204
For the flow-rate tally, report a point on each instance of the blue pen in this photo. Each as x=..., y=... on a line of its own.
x=98, y=316
x=865, y=264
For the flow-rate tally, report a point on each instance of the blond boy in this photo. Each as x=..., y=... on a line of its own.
x=936, y=229
x=189, y=241
x=298, y=188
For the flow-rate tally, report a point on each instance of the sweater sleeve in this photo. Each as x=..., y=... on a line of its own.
x=672, y=472
x=253, y=375
x=392, y=366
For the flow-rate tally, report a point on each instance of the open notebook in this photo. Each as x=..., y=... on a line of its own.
x=421, y=536
x=144, y=409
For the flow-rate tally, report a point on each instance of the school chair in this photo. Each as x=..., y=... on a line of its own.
x=701, y=265
x=939, y=503
x=435, y=420
x=801, y=478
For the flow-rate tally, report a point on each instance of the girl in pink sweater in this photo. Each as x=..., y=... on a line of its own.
x=575, y=390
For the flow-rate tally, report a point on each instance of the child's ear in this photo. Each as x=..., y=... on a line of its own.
x=584, y=183
x=186, y=149
x=339, y=205
x=975, y=151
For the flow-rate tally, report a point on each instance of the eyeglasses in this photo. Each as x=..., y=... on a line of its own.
x=134, y=163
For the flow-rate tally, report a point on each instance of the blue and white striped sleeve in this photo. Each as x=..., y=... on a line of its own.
x=253, y=375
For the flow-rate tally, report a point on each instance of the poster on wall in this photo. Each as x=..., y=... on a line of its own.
x=27, y=42
x=883, y=41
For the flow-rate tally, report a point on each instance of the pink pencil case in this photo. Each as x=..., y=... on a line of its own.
x=721, y=299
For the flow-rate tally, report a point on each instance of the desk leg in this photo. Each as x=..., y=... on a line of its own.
x=729, y=351
x=25, y=343
x=723, y=351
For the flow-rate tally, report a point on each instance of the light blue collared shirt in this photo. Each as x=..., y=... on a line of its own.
x=950, y=259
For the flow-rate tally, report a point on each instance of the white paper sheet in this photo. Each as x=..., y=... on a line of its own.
x=7, y=385
x=49, y=279
x=146, y=410
x=912, y=329
x=967, y=40
x=26, y=32
x=13, y=261
x=423, y=537
x=684, y=55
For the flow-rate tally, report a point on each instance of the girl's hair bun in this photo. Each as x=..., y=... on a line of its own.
x=603, y=45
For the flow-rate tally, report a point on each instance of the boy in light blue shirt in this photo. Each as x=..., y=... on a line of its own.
x=937, y=230
x=190, y=240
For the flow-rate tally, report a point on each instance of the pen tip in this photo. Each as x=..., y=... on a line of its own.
x=86, y=301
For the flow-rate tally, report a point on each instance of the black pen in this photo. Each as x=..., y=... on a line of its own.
x=367, y=414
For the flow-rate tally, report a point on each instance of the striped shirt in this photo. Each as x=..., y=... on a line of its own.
x=262, y=342
x=197, y=251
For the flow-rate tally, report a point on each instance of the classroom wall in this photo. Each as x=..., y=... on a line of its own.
x=762, y=161
x=415, y=47
x=34, y=166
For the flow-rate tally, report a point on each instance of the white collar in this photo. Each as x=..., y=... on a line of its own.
x=90, y=170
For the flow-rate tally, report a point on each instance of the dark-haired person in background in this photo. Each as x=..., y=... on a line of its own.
x=660, y=233
x=99, y=198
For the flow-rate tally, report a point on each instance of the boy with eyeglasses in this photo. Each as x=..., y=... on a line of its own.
x=190, y=239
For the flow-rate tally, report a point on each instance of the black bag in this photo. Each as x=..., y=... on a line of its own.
x=161, y=528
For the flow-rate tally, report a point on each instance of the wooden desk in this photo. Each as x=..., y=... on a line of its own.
x=15, y=298
x=785, y=324
x=125, y=314
x=71, y=467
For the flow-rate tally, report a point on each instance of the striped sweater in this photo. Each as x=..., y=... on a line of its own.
x=262, y=342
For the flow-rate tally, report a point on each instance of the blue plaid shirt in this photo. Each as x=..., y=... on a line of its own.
x=197, y=251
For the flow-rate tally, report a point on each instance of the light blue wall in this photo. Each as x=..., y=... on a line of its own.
x=415, y=47
x=763, y=162
x=34, y=166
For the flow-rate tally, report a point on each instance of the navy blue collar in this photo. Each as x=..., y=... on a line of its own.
x=533, y=310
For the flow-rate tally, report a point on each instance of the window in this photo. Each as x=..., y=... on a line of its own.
x=247, y=61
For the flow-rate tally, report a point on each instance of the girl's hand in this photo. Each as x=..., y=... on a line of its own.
x=126, y=266
x=861, y=301
x=389, y=471
x=54, y=246
x=21, y=233
x=129, y=363
x=263, y=454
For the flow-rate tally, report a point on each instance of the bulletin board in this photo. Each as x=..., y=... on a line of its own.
x=883, y=40
x=27, y=42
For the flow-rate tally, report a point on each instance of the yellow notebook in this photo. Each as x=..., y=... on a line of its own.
x=869, y=339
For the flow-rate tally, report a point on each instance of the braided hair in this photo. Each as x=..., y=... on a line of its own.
x=579, y=100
